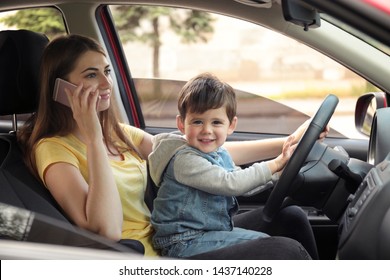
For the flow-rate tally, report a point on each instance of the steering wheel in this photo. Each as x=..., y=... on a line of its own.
x=282, y=187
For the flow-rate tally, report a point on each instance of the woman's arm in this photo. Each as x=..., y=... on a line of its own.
x=94, y=205
x=145, y=147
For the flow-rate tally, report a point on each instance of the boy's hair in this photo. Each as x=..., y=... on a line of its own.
x=205, y=92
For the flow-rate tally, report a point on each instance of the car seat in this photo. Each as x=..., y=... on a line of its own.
x=21, y=194
x=20, y=55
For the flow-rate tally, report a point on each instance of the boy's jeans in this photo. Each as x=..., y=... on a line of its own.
x=211, y=240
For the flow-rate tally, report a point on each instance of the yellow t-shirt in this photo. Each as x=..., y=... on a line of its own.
x=130, y=176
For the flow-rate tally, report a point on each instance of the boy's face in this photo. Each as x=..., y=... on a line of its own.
x=207, y=131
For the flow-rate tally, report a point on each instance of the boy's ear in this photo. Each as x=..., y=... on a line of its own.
x=180, y=123
x=232, y=126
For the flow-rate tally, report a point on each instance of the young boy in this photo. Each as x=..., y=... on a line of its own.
x=197, y=179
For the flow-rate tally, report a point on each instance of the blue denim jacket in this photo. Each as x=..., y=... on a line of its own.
x=182, y=212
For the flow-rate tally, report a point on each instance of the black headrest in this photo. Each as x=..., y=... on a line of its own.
x=20, y=57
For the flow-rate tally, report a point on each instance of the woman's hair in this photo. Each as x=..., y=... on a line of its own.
x=205, y=92
x=54, y=119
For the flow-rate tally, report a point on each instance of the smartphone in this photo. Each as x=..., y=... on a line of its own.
x=59, y=94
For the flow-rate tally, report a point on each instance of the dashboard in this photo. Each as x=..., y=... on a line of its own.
x=365, y=226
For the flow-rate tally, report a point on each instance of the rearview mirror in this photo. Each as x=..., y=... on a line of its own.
x=366, y=107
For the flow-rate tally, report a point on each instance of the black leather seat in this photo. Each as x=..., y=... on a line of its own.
x=20, y=56
x=21, y=194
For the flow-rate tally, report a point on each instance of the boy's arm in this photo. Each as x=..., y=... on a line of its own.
x=197, y=172
x=244, y=152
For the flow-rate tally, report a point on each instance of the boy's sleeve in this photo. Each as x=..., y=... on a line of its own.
x=199, y=173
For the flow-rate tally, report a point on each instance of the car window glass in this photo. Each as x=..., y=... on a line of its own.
x=279, y=81
x=46, y=20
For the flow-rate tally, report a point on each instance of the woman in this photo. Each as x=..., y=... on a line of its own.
x=94, y=166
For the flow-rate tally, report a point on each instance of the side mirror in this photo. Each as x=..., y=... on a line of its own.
x=366, y=107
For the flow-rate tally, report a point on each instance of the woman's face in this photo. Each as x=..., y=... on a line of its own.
x=93, y=70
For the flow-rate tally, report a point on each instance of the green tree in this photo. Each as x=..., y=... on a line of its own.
x=44, y=20
x=191, y=26
x=143, y=23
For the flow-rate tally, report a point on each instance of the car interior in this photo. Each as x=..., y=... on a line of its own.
x=343, y=185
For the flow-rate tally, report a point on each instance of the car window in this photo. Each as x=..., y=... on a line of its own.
x=46, y=20
x=279, y=81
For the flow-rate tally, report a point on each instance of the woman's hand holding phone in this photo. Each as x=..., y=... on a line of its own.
x=84, y=103
x=59, y=94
